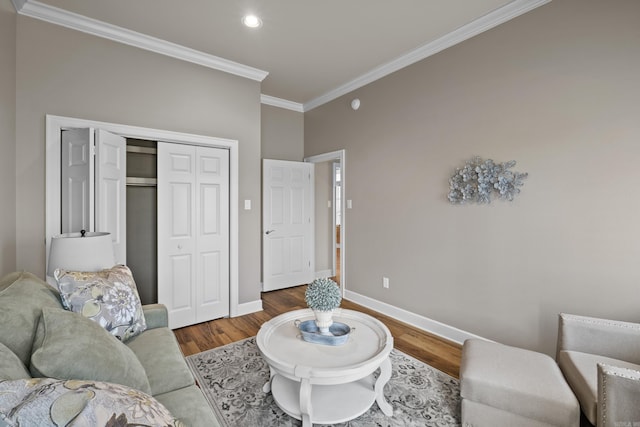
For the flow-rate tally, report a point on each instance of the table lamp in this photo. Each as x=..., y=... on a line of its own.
x=84, y=251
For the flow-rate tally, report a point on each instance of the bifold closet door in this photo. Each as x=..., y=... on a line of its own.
x=111, y=190
x=77, y=177
x=93, y=185
x=193, y=232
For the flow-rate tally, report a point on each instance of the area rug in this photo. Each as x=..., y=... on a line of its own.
x=232, y=377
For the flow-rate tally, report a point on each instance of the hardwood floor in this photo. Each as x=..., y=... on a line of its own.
x=435, y=351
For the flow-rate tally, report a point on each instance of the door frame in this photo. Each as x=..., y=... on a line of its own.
x=54, y=126
x=341, y=157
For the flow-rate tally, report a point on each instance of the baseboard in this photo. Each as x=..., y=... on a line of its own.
x=249, y=307
x=324, y=273
x=429, y=325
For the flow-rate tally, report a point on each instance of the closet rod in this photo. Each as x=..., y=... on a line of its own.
x=142, y=182
x=142, y=150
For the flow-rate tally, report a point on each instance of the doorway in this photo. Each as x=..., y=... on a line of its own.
x=330, y=203
x=337, y=218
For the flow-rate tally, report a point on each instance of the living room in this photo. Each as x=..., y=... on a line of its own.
x=555, y=89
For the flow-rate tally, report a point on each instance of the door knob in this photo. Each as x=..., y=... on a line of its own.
x=269, y=231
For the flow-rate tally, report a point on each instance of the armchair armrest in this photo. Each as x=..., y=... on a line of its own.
x=155, y=315
x=618, y=396
x=609, y=338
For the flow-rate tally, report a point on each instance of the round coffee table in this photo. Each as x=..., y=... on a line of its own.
x=326, y=384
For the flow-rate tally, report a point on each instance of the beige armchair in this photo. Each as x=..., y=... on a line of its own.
x=600, y=360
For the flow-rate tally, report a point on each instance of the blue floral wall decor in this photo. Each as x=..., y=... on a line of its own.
x=479, y=178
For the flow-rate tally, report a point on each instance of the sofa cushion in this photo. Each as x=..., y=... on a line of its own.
x=79, y=403
x=159, y=353
x=189, y=406
x=11, y=367
x=517, y=381
x=109, y=297
x=70, y=346
x=22, y=296
x=581, y=371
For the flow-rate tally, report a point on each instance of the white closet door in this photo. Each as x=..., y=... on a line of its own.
x=193, y=232
x=176, y=234
x=111, y=187
x=212, y=233
x=77, y=176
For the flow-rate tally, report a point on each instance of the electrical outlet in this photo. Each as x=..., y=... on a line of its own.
x=385, y=282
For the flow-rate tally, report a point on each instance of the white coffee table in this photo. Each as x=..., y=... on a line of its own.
x=325, y=384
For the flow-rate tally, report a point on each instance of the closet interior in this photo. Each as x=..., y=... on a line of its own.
x=142, y=208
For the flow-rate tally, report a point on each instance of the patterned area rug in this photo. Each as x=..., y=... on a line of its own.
x=232, y=377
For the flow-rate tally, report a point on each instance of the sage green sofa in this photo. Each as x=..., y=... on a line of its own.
x=29, y=308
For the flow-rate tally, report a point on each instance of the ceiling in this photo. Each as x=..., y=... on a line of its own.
x=313, y=51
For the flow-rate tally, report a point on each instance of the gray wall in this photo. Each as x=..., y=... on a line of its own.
x=282, y=134
x=7, y=137
x=557, y=90
x=68, y=73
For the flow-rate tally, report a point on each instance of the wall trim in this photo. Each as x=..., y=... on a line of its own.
x=429, y=325
x=18, y=4
x=249, y=307
x=281, y=103
x=74, y=21
x=480, y=25
x=54, y=15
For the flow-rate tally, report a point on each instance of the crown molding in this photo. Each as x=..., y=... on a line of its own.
x=281, y=103
x=18, y=4
x=480, y=25
x=44, y=12
x=54, y=15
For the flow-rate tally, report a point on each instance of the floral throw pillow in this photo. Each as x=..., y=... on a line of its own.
x=49, y=402
x=109, y=297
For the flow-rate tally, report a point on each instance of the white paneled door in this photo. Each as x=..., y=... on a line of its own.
x=193, y=232
x=76, y=177
x=287, y=224
x=111, y=190
x=212, y=230
x=93, y=193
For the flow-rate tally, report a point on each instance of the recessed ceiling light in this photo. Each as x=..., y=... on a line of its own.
x=252, y=21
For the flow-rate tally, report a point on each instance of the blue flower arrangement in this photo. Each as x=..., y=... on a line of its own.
x=479, y=178
x=323, y=295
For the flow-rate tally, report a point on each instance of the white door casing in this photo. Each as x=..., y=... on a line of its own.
x=77, y=177
x=193, y=235
x=111, y=190
x=339, y=156
x=287, y=224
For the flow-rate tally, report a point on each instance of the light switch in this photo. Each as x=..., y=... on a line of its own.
x=329, y=204
x=349, y=204
x=247, y=205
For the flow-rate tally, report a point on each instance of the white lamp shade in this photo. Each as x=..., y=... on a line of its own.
x=72, y=251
